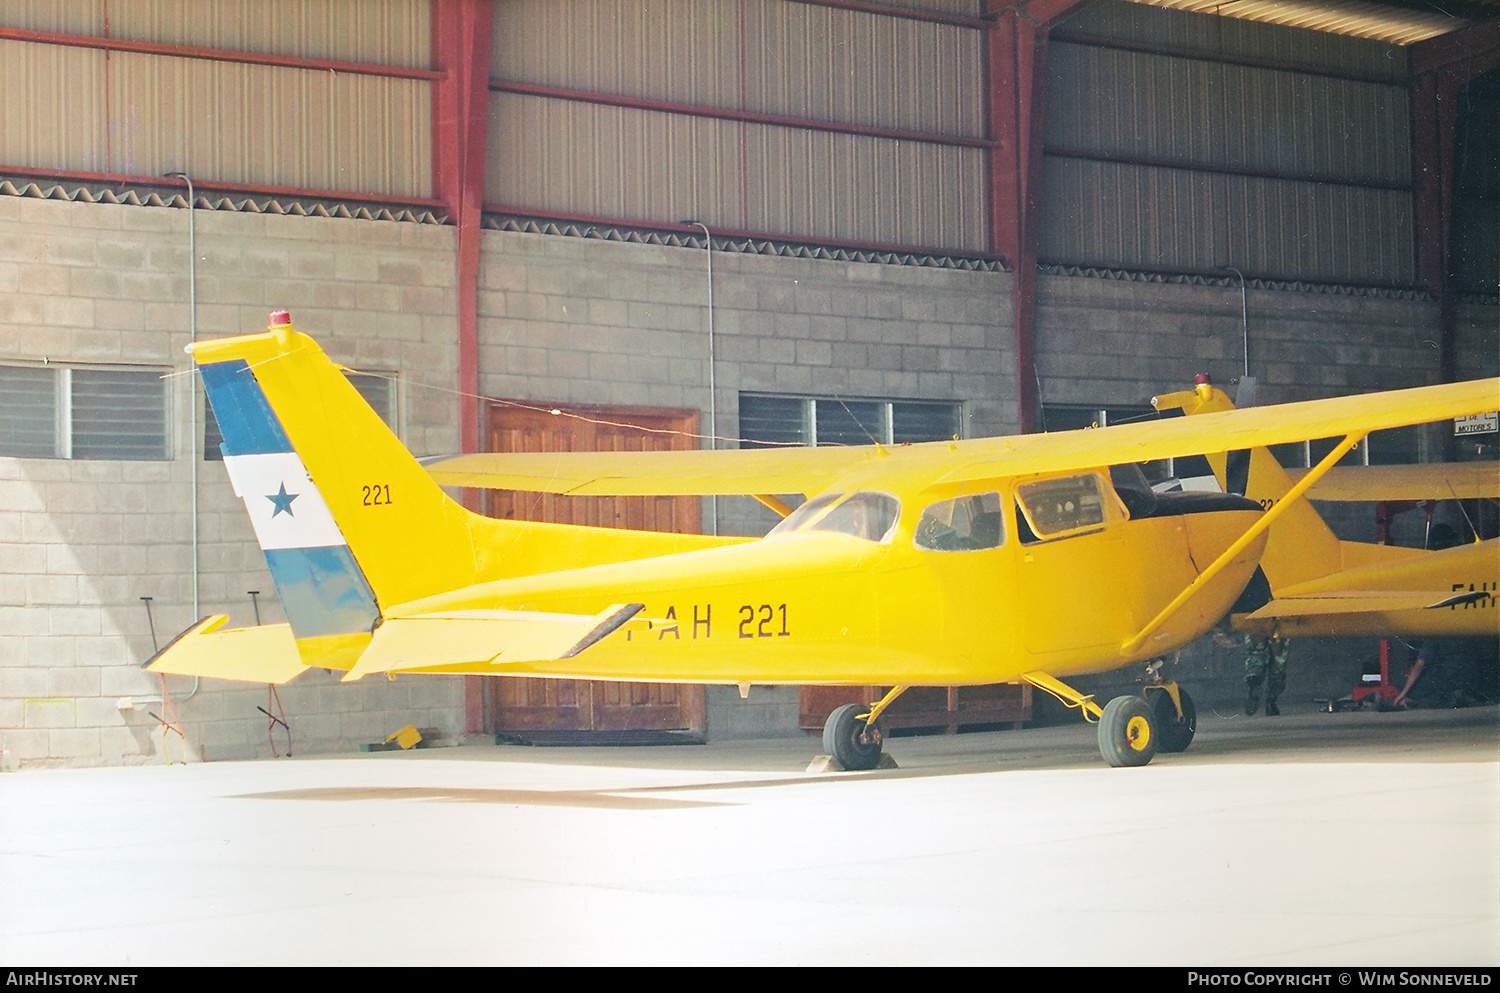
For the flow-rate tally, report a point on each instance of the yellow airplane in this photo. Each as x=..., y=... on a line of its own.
x=1324, y=587
x=968, y=562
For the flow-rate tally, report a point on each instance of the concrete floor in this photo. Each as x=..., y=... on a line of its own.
x=1357, y=839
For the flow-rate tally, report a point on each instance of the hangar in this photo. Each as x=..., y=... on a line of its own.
x=728, y=223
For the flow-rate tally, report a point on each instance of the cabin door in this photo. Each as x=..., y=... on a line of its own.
x=519, y=704
x=1071, y=564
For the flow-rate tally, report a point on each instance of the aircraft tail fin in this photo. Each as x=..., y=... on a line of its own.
x=1300, y=546
x=349, y=522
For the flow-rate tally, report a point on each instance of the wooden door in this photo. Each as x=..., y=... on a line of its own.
x=520, y=704
x=946, y=707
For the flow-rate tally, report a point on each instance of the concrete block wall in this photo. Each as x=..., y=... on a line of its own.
x=82, y=541
x=1477, y=351
x=570, y=319
x=1122, y=342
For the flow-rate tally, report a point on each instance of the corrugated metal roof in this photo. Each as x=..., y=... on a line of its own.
x=1394, y=23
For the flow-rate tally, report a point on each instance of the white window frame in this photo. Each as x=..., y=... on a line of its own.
x=887, y=415
x=64, y=404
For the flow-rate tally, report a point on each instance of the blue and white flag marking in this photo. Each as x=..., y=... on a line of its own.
x=322, y=589
x=285, y=508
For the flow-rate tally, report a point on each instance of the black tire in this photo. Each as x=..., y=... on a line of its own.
x=845, y=738
x=1173, y=733
x=1127, y=735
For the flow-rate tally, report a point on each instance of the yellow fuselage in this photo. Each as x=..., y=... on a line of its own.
x=817, y=607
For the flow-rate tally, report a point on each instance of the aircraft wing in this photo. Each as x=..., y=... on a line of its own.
x=1446, y=481
x=682, y=473
x=811, y=470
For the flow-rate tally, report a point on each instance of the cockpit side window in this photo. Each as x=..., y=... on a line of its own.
x=868, y=515
x=1055, y=508
x=963, y=524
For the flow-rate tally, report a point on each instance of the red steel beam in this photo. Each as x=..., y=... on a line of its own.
x=215, y=54
x=461, y=32
x=1434, y=125
x=1156, y=162
x=1222, y=58
x=904, y=13
x=742, y=116
x=461, y=36
x=1015, y=64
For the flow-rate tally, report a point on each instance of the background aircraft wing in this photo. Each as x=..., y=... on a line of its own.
x=1360, y=602
x=1223, y=431
x=1444, y=481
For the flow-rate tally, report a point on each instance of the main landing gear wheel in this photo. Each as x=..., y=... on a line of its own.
x=1126, y=734
x=1173, y=732
x=847, y=738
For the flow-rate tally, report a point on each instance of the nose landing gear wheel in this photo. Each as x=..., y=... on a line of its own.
x=1173, y=733
x=1126, y=733
x=847, y=738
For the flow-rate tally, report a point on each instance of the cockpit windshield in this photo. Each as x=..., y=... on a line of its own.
x=798, y=519
x=866, y=514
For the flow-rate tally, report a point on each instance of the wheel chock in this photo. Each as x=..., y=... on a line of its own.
x=827, y=763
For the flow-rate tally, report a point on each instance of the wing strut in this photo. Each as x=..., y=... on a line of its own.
x=775, y=503
x=1266, y=520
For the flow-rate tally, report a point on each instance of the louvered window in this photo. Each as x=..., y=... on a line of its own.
x=96, y=412
x=28, y=412
x=767, y=420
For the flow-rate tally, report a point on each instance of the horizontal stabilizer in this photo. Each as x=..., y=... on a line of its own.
x=459, y=637
x=1441, y=481
x=1362, y=602
x=263, y=654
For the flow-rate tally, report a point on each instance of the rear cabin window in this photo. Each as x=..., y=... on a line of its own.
x=1054, y=508
x=963, y=524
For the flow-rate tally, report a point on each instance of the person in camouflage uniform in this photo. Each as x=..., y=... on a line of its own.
x=1265, y=664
